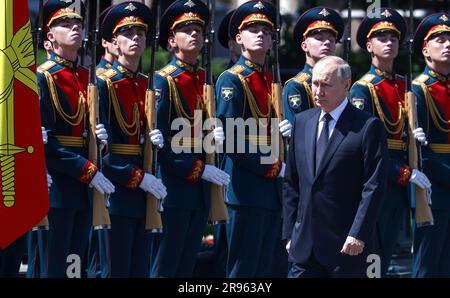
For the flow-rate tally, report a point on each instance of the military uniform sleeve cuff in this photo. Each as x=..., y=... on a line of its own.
x=404, y=175
x=274, y=170
x=88, y=172
x=136, y=177
x=196, y=172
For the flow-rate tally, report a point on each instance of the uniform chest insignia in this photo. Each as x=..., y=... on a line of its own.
x=227, y=93
x=444, y=18
x=295, y=101
x=358, y=103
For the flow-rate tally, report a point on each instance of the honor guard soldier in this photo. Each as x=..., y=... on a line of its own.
x=122, y=102
x=62, y=88
x=244, y=92
x=316, y=32
x=179, y=89
x=381, y=92
x=432, y=243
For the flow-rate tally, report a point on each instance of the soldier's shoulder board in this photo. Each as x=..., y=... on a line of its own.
x=237, y=69
x=421, y=79
x=46, y=66
x=302, y=77
x=107, y=74
x=167, y=71
x=367, y=78
x=100, y=70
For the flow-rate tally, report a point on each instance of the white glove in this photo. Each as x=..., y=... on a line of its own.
x=154, y=186
x=49, y=180
x=420, y=136
x=283, y=169
x=285, y=128
x=420, y=179
x=215, y=175
x=156, y=138
x=102, y=184
x=102, y=135
x=44, y=135
x=219, y=135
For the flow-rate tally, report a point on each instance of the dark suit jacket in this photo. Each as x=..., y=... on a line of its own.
x=344, y=197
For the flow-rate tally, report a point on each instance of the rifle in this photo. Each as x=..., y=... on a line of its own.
x=37, y=38
x=153, y=221
x=348, y=39
x=423, y=214
x=85, y=44
x=218, y=212
x=100, y=219
x=277, y=100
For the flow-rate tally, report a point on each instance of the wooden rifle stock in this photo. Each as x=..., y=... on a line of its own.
x=218, y=212
x=277, y=103
x=424, y=216
x=100, y=215
x=153, y=217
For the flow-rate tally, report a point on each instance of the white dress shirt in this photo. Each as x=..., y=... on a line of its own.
x=335, y=114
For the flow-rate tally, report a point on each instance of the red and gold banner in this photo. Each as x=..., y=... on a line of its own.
x=23, y=190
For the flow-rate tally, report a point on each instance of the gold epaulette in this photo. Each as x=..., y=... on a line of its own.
x=107, y=74
x=46, y=66
x=421, y=79
x=367, y=78
x=302, y=77
x=100, y=71
x=167, y=71
x=237, y=69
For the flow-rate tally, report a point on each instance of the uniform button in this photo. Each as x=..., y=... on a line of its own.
x=115, y=86
x=176, y=80
x=247, y=79
x=76, y=73
x=376, y=87
x=141, y=102
x=197, y=77
x=142, y=122
x=136, y=84
x=55, y=77
x=430, y=89
x=396, y=85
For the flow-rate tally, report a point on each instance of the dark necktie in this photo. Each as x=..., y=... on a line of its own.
x=322, y=142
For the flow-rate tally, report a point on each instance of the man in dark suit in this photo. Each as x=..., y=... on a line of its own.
x=336, y=175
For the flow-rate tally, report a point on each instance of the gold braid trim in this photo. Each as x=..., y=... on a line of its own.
x=309, y=93
x=399, y=124
x=124, y=126
x=175, y=96
x=79, y=115
x=256, y=112
x=433, y=110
